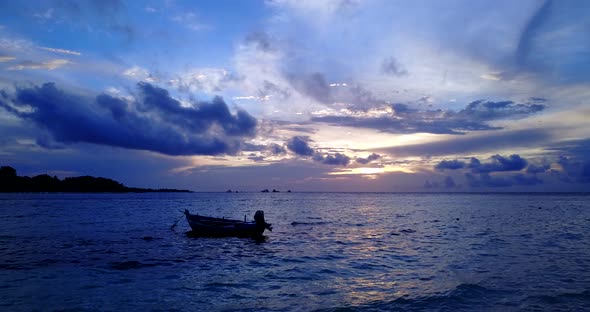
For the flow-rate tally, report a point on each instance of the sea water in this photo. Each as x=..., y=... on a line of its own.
x=327, y=251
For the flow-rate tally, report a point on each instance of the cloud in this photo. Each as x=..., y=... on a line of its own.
x=405, y=125
x=7, y=58
x=473, y=144
x=337, y=159
x=276, y=149
x=191, y=21
x=474, y=117
x=353, y=96
x=487, y=110
x=574, y=148
x=62, y=51
x=450, y=164
x=208, y=80
x=300, y=146
x=314, y=86
x=532, y=168
x=480, y=174
x=492, y=76
x=530, y=30
x=577, y=169
x=199, y=118
x=46, y=15
x=261, y=40
x=51, y=65
x=574, y=158
x=487, y=180
x=497, y=164
x=521, y=179
x=450, y=182
x=139, y=73
x=369, y=159
x=154, y=122
x=390, y=66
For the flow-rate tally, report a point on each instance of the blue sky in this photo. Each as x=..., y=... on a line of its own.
x=302, y=95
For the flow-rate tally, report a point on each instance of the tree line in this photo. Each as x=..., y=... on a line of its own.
x=10, y=182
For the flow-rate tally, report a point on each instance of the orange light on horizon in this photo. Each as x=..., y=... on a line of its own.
x=371, y=172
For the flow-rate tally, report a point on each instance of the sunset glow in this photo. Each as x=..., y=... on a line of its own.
x=156, y=93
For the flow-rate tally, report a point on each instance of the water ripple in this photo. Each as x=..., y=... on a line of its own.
x=328, y=252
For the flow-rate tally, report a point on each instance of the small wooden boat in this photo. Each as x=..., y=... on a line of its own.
x=221, y=227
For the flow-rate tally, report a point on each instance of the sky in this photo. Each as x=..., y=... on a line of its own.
x=367, y=96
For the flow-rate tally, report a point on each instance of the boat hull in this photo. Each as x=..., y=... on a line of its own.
x=215, y=227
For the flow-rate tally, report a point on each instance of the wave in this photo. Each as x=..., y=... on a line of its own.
x=310, y=223
x=567, y=301
x=464, y=297
x=471, y=297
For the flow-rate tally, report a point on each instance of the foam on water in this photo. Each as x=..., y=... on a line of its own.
x=374, y=252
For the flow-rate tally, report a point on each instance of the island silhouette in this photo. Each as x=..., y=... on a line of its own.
x=10, y=182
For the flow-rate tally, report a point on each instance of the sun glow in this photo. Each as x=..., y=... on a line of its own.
x=371, y=171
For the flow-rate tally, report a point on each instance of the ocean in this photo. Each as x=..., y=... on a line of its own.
x=327, y=252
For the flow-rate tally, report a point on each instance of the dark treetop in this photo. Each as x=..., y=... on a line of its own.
x=11, y=183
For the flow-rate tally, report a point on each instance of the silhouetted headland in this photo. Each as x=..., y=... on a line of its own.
x=10, y=182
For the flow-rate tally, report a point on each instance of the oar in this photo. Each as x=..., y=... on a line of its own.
x=174, y=225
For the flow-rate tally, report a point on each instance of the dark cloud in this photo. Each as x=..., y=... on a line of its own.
x=574, y=148
x=498, y=164
x=474, y=117
x=314, y=86
x=530, y=31
x=577, y=170
x=450, y=164
x=480, y=174
x=476, y=144
x=256, y=158
x=155, y=122
x=276, y=149
x=197, y=119
x=299, y=145
x=538, y=99
x=261, y=40
x=522, y=179
x=574, y=158
x=541, y=53
x=390, y=66
x=402, y=109
x=369, y=159
x=487, y=110
x=317, y=86
x=487, y=180
x=406, y=126
x=450, y=182
x=532, y=168
x=46, y=142
x=270, y=88
x=336, y=159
